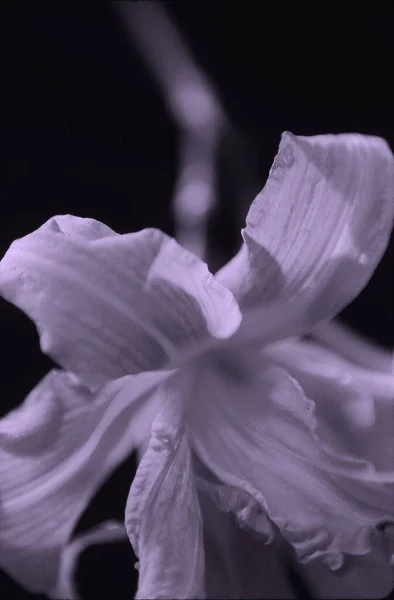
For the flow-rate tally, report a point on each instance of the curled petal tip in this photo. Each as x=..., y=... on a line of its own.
x=314, y=235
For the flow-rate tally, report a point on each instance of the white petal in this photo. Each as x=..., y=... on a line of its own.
x=314, y=235
x=107, y=305
x=48, y=476
x=163, y=518
x=254, y=428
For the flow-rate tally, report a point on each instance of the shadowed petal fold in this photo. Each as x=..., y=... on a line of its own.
x=242, y=560
x=163, y=518
x=108, y=305
x=314, y=235
x=354, y=406
x=255, y=428
x=354, y=580
x=56, y=450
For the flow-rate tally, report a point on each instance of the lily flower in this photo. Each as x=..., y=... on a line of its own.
x=258, y=438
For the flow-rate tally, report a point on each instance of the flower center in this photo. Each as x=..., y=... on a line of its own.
x=234, y=365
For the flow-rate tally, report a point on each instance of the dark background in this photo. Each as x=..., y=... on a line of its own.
x=84, y=130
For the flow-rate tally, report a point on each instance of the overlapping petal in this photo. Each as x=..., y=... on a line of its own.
x=353, y=346
x=107, y=305
x=353, y=581
x=56, y=450
x=239, y=563
x=354, y=406
x=163, y=518
x=314, y=235
x=255, y=429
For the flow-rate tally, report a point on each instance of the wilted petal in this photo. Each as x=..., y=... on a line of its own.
x=314, y=235
x=255, y=429
x=107, y=305
x=48, y=475
x=163, y=518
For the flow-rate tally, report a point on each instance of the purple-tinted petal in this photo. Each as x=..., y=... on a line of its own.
x=314, y=235
x=49, y=474
x=355, y=411
x=354, y=406
x=354, y=347
x=163, y=518
x=238, y=561
x=107, y=305
x=253, y=426
x=353, y=581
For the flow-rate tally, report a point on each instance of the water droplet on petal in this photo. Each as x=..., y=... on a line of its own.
x=363, y=259
x=346, y=379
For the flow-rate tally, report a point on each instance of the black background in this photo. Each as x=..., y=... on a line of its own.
x=84, y=130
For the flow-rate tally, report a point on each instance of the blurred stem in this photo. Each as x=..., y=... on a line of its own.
x=194, y=107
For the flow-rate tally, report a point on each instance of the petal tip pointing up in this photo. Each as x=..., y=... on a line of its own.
x=314, y=235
